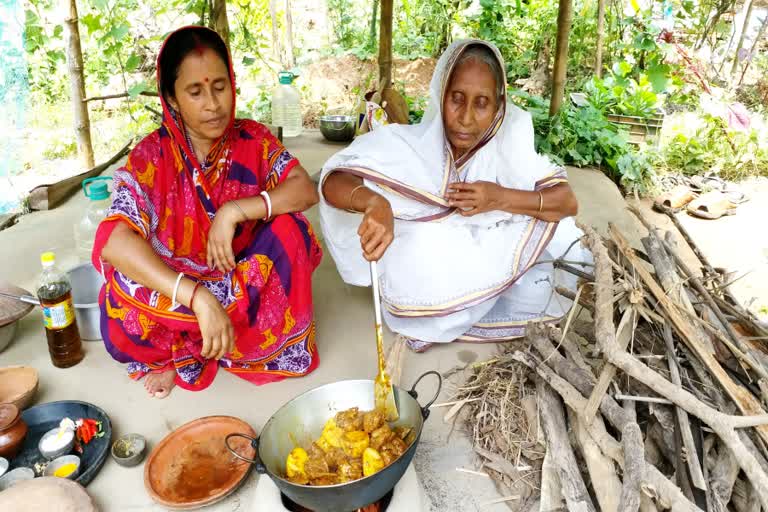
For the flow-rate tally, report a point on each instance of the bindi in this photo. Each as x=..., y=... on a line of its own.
x=205, y=79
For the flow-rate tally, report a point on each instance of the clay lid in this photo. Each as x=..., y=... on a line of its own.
x=12, y=309
x=9, y=413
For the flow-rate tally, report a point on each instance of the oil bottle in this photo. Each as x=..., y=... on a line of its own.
x=55, y=294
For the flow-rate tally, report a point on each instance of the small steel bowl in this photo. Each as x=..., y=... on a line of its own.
x=128, y=450
x=62, y=450
x=3, y=465
x=54, y=465
x=338, y=128
x=14, y=476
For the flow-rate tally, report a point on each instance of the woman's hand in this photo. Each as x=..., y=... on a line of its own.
x=474, y=198
x=377, y=229
x=220, y=254
x=215, y=325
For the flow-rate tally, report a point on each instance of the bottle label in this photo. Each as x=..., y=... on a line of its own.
x=59, y=315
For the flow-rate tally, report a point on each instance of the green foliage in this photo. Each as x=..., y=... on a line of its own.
x=584, y=137
x=616, y=94
x=713, y=147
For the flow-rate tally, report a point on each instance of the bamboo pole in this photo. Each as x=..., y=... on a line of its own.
x=744, y=26
x=219, y=19
x=77, y=87
x=290, y=59
x=564, y=19
x=600, y=38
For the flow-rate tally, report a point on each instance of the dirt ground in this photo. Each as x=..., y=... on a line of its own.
x=335, y=85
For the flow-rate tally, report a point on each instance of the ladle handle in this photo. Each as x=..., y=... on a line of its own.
x=415, y=395
x=258, y=465
x=376, y=296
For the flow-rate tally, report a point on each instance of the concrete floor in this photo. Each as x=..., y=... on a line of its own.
x=345, y=340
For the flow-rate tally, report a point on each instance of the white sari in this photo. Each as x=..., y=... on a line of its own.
x=447, y=277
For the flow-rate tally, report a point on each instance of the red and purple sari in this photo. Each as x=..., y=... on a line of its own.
x=170, y=200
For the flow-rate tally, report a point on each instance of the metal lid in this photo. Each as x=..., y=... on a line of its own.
x=9, y=414
x=12, y=309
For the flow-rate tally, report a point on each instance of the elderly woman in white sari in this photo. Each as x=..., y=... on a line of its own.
x=463, y=214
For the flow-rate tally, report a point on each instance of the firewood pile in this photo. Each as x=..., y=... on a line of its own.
x=655, y=401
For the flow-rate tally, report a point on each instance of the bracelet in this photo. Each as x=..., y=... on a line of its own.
x=194, y=291
x=176, y=290
x=541, y=202
x=268, y=203
x=245, y=217
x=352, y=198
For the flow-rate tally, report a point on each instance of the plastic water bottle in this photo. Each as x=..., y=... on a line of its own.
x=97, y=191
x=286, y=105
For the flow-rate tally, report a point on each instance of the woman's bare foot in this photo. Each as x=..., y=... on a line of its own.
x=159, y=385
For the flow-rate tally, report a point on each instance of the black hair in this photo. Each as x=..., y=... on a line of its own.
x=180, y=44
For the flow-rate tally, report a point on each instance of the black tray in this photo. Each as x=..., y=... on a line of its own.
x=42, y=418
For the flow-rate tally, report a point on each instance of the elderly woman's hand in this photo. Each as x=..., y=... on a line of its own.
x=474, y=198
x=377, y=230
x=220, y=254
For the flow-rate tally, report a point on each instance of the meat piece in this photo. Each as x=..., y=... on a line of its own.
x=315, y=451
x=349, y=471
x=349, y=420
x=403, y=432
x=300, y=479
x=373, y=420
x=316, y=467
x=395, y=445
x=388, y=457
x=327, y=479
x=380, y=436
x=335, y=457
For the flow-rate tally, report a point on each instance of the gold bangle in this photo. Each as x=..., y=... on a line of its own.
x=541, y=202
x=352, y=197
x=245, y=217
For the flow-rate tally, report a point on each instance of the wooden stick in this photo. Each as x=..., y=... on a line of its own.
x=553, y=421
x=694, y=465
x=634, y=463
x=602, y=472
x=745, y=401
x=119, y=95
x=647, y=399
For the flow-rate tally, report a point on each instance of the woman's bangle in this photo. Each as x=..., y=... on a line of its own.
x=268, y=204
x=245, y=217
x=194, y=291
x=176, y=290
x=352, y=198
x=541, y=202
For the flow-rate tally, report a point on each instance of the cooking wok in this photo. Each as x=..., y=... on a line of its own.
x=301, y=421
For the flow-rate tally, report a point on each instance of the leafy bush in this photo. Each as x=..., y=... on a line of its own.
x=584, y=137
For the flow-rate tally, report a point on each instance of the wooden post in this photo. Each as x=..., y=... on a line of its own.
x=564, y=19
x=77, y=87
x=374, y=17
x=290, y=59
x=385, y=44
x=275, y=38
x=600, y=38
x=219, y=20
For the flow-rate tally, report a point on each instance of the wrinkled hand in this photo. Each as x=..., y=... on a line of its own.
x=474, y=198
x=220, y=254
x=215, y=325
x=377, y=230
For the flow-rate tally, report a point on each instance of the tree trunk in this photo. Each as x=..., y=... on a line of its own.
x=275, y=38
x=600, y=38
x=219, y=19
x=374, y=17
x=755, y=48
x=744, y=26
x=385, y=45
x=564, y=19
x=77, y=87
x=289, y=35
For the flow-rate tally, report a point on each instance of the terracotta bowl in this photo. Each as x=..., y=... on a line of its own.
x=18, y=385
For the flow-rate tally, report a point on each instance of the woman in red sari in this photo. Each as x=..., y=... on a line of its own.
x=207, y=258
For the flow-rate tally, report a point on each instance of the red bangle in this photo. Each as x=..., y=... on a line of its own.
x=194, y=291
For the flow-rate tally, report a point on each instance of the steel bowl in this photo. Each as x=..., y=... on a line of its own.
x=61, y=450
x=54, y=465
x=14, y=476
x=302, y=419
x=338, y=128
x=3, y=465
x=128, y=450
x=7, y=333
x=86, y=285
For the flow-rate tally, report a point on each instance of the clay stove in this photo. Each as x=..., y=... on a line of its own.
x=407, y=496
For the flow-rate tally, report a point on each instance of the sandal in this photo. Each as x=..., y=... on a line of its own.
x=711, y=205
x=674, y=199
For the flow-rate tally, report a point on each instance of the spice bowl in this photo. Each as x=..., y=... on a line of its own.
x=67, y=467
x=51, y=449
x=15, y=476
x=128, y=450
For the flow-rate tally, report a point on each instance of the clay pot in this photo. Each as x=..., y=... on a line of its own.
x=13, y=430
x=18, y=385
